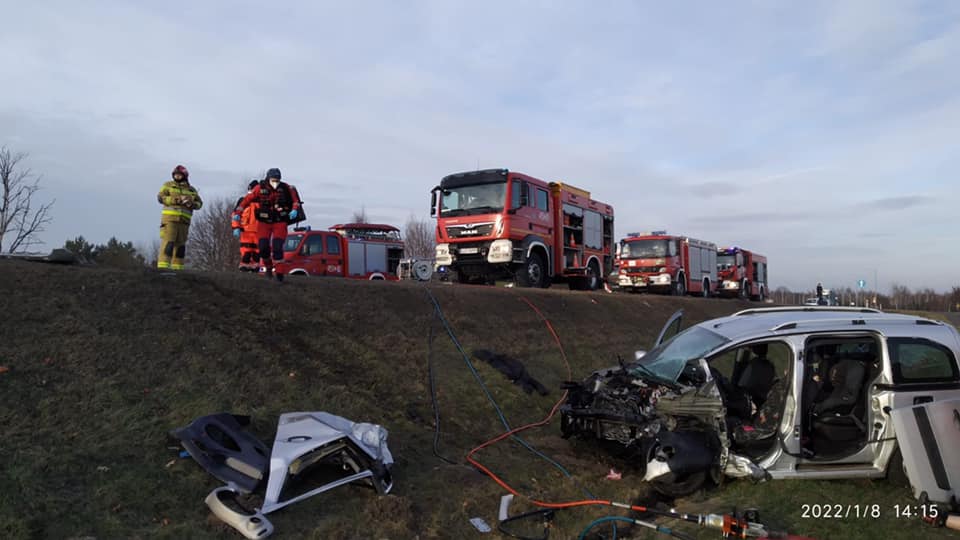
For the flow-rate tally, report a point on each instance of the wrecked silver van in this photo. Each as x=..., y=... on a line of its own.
x=797, y=392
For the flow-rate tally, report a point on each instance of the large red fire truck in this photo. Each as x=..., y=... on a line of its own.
x=352, y=250
x=658, y=262
x=499, y=223
x=742, y=273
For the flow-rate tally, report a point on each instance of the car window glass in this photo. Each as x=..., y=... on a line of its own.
x=921, y=360
x=333, y=245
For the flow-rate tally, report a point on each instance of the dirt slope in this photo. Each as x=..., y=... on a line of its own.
x=103, y=363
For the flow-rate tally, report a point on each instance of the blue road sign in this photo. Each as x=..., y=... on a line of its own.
x=862, y=283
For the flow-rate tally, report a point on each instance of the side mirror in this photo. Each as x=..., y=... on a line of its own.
x=639, y=354
x=433, y=203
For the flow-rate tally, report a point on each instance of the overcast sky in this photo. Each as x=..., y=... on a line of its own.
x=823, y=134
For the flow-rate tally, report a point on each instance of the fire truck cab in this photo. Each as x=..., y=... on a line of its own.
x=499, y=223
x=352, y=250
x=658, y=262
x=742, y=273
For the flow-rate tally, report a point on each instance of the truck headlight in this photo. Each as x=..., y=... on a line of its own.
x=501, y=251
x=442, y=253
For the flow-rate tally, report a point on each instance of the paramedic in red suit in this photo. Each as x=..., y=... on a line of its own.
x=279, y=206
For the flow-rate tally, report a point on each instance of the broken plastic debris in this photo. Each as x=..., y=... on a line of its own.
x=614, y=475
x=251, y=524
x=480, y=525
x=103, y=468
x=305, y=438
x=4, y=369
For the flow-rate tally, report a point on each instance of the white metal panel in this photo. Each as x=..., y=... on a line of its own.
x=929, y=436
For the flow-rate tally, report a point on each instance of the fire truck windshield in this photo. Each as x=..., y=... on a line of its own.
x=647, y=249
x=726, y=261
x=475, y=199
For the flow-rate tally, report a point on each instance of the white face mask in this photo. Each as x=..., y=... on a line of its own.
x=274, y=183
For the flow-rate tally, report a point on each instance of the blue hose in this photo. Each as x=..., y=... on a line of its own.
x=606, y=519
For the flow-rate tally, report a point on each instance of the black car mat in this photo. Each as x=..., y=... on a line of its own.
x=513, y=369
x=221, y=445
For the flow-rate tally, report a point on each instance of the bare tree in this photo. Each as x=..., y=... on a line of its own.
x=360, y=216
x=900, y=295
x=211, y=245
x=149, y=251
x=419, y=237
x=20, y=221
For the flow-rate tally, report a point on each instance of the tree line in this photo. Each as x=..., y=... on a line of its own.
x=900, y=297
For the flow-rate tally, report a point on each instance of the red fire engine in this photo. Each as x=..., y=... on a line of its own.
x=742, y=273
x=658, y=262
x=352, y=250
x=495, y=222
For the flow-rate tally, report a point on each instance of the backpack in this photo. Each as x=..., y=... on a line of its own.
x=301, y=214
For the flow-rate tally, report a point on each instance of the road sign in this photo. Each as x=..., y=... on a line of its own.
x=862, y=283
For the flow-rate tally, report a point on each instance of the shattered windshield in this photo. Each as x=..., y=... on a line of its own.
x=646, y=249
x=475, y=199
x=667, y=360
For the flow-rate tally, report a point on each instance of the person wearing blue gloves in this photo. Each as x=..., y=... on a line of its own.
x=279, y=205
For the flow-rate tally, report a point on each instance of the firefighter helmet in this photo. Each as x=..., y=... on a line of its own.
x=180, y=169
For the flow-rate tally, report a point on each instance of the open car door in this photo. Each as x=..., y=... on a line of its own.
x=929, y=436
x=670, y=329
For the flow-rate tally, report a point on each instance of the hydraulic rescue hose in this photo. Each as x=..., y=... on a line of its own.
x=433, y=395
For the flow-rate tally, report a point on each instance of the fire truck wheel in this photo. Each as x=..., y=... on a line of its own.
x=706, y=289
x=680, y=288
x=593, y=276
x=532, y=273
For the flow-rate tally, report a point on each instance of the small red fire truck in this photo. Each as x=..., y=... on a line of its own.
x=742, y=273
x=658, y=262
x=352, y=250
x=498, y=223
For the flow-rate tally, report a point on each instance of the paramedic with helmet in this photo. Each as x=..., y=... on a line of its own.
x=279, y=206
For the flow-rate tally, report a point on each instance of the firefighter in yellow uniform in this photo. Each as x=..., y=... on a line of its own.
x=179, y=200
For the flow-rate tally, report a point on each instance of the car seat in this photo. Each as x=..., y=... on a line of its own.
x=839, y=416
x=757, y=378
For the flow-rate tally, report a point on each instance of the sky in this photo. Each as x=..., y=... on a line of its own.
x=823, y=134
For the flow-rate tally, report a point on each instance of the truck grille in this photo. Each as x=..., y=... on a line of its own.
x=641, y=269
x=467, y=231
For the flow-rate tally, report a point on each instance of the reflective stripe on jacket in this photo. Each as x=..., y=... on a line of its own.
x=171, y=195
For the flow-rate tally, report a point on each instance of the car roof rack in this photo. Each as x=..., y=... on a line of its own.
x=789, y=309
x=836, y=322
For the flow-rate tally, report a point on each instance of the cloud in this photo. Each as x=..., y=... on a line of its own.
x=898, y=203
x=709, y=190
